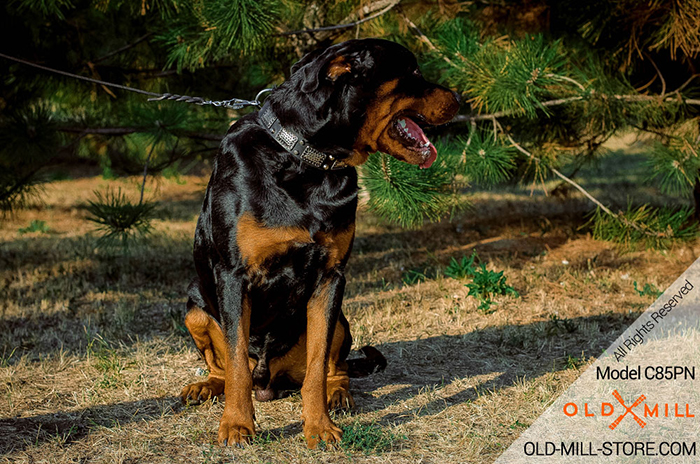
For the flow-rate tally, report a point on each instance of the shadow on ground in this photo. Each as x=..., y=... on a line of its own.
x=504, y=353
x=70, y=426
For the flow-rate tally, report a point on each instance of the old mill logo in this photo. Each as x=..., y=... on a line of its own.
x=649, y=411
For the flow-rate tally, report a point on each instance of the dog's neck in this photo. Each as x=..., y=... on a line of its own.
x=295, y=144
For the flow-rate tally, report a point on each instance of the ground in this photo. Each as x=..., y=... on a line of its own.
x=93, y=351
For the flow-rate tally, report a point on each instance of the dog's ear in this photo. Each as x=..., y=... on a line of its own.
x=329, y=65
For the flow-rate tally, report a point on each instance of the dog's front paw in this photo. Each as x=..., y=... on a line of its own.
x=341, y=399
x=235, y=433
x=201, y=391
x=325, y=431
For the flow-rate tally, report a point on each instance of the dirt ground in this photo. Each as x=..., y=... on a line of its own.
x=93, y=351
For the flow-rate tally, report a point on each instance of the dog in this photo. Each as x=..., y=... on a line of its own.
x=278, y=223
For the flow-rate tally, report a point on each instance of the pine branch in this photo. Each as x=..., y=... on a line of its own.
x=563, y=101
x=119, y=131
x=345, y=24
x=661, y=76
x=501, y=114
x=123, y=49
x=115, y=131
x=145, y=167
x=423, y=38
x=578, y=187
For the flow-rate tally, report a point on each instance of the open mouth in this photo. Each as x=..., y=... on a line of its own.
x=408, y=131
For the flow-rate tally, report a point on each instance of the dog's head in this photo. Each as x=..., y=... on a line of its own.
x=362, y=96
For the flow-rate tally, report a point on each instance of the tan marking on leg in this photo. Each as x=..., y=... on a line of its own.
x=209, y=339
x=317, y=423
x=236, y=424
x=258, y=243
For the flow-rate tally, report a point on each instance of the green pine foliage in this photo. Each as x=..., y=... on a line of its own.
x=675, y=165
x=210, y=31
x=45, y=8
x=645, y=227
x=540, y=98
x=119, y=219
x=498, y=75
x=484, y=160
x=407, y=195
x=28, y=142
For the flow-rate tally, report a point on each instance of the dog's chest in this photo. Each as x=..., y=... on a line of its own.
x=267, y=251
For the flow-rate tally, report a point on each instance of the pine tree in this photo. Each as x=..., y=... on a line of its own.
x=547, y=82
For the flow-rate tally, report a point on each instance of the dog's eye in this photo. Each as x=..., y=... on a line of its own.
x=417, y=73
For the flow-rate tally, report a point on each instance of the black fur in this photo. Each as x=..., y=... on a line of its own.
x=253, y=174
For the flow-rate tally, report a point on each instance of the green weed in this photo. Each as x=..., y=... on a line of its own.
x=647, y=290
x=413, y=276
x=466, y=267
x=573, y=362
x=35, y=226
x=487, y=283
x=559, y=325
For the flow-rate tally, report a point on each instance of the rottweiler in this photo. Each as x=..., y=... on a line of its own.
x=278, y=223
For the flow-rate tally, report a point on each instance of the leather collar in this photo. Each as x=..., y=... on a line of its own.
x=295, y=144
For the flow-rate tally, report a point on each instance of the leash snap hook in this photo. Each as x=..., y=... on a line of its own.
x=262, y=92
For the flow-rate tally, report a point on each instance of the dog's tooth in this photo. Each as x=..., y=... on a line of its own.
x=402, y=123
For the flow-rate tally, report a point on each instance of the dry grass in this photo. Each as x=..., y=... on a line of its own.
x=93, y=352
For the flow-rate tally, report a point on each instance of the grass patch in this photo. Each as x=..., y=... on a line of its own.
x=368, y=438
x=456, y=379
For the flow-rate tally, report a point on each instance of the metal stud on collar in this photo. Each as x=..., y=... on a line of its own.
x=295, y=144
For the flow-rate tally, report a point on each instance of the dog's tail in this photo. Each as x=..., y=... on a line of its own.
x=372, y=363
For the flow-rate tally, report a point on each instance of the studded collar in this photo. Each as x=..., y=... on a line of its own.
x=295, y=144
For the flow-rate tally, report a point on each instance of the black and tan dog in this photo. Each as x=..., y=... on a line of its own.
x=278, y=223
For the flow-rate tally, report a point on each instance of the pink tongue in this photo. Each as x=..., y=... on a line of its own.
x=415, y=130
x=431, y=158
x=417, y=133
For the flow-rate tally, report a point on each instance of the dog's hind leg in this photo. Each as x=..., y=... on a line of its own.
x=209, y=339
